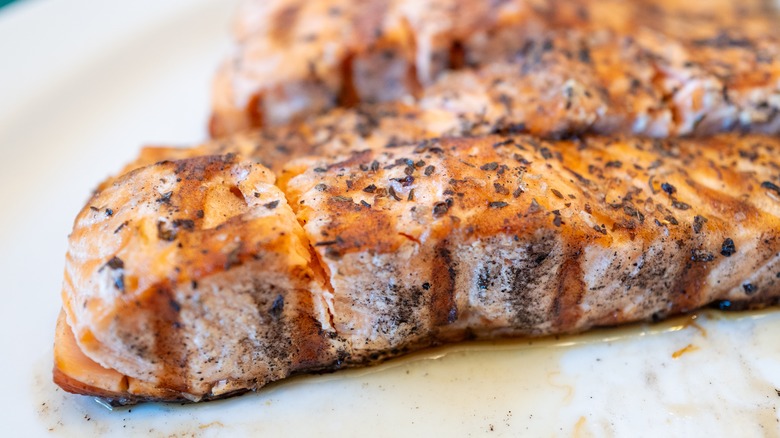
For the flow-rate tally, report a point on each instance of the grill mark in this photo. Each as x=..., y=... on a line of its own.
x=168, y=347
x=689, y=286
x=254, y=110
x=443, y=308
x=414, y=84
x=457, y=56
x=310, y=348
x=527, y=308
x=566, y=310
x=348, y=94
x=272, y=309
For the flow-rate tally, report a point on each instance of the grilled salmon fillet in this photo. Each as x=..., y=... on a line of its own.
x=198, y=278
x=647, y=67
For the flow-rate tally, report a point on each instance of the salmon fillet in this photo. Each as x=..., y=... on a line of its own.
x=648, y=67
x=199, y=278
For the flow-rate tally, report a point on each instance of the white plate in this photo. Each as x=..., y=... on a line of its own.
x=83, y=84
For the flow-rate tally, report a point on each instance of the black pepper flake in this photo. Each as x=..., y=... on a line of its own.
x=165, y=233
x=374, y=166
x=503, y=143
x=750, y=155
x=655, y=165
x=165, y=198
x=699, y=255
x=698, y=223
x=371, y=188
x=440, y=209
x=584, y=55
x=723, y=305
x=365, y=204
x=122, y=225
x=119, y=277
x=614, y=164
x=271, y=205
x=557, y=221
x=630, y=211
x=321, y=187
x=186, y=224
x=277, y=306
x=489, y=166
x=342, y=199
x=557, y=193
x=426, y=286
x=519, y=158
x=109, y=212
x=546, y=154
x=500, y=189
x=749, y=288
x=429, y=170
x=119, y=282
x=232, y=258
x=534, y=207
x=728, y=249
x=411, y=195
x=320, y=169
x=420, y=163
x=257, y=194
x=175, y=306
x=332, y=253
x=668, y=188
x=771, y=186
x=405, y=181
x=680, y=205
x=93, y=208
x=497, y=204
x=671, y=219
x=393, y=194
x=199, y=214
x=115, y=263
x=518, y=191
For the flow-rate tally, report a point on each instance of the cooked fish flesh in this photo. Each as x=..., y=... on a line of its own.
x=198, y=278
x=649, y=67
